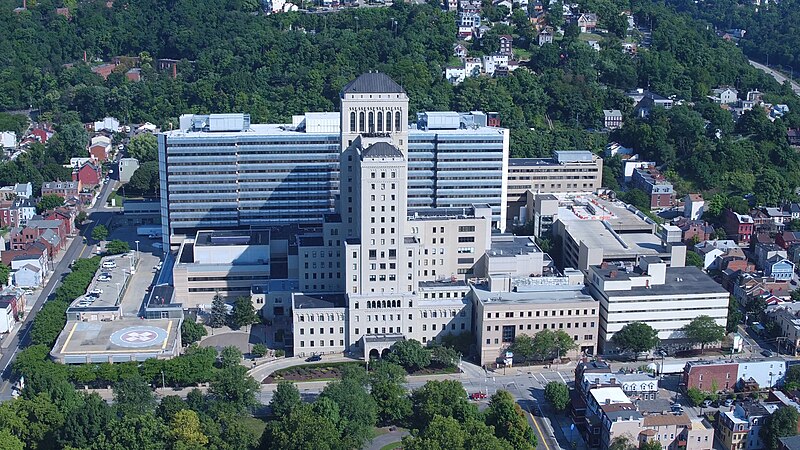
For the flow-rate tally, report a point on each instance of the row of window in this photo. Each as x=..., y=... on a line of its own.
x=367, y=123
x=322, y=343
x=321, y=330
x=545, y=326
x=510, y=314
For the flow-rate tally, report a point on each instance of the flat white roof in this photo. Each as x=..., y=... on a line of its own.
x=610, y=394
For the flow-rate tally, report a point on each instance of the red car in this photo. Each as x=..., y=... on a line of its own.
x=477, y=395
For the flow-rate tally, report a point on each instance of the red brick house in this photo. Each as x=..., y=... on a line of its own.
x=738, y=227
x=99, y=151
x=66, y=215
x=63, y=189
x=104, y=70
x=704, y=375
x=16, y=297
x=89, y=175
x=40, y=135
x=39, y=251
x=787, y=238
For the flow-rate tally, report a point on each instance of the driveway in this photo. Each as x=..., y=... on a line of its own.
x=239, y=339
x=378, y=442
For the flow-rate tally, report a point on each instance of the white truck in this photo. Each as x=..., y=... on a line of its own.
x=149, y=230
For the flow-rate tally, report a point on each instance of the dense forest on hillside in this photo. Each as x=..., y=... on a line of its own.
x=284, y=64
x=771, y=32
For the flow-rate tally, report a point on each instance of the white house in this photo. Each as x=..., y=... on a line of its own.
x=455, y=74
x=693, y=206
x=8, y=139
x=725, y=95
x=28, y=276
x=711, y=250
x=615, y=148
x=107, y=124
x=23, y=190
x=6, y=317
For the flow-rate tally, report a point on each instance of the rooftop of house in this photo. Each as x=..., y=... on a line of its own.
x=542, y=294
x=694, y=197
x=609, y=395
x=664, y=420
x=791, y=442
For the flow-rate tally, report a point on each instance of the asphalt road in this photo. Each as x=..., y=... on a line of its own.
x=76, y=249
x=779, y=77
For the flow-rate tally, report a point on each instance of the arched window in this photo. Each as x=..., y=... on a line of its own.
x=380, y=121
x=388, y=121
x=371, y=122
x=361, y=122
x=397, y=121
x=352, y=122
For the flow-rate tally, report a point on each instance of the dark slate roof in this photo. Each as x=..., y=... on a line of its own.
x=381, y=150
x=373, y=82
x=791, y=442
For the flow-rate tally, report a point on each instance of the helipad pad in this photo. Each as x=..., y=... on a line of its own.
x=138, y=337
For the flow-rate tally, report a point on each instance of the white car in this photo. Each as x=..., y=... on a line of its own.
x=96, y=291
x=104, y=278
x=109, y=265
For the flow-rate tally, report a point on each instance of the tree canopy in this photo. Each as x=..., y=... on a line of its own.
x=636, y=337
x=703, y=330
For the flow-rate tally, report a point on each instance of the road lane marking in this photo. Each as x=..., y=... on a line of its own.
x=544, y=439
x=562, y=378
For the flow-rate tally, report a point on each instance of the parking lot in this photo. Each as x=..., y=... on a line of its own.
x=144, y=276
x=108, y=283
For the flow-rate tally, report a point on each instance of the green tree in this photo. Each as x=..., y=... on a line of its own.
x=693, y=259
x=735, y=315
x=509, y=421
x=622, y=443
x=357, y=408
x=446, y=398
x=549, y=343
x=557, y=394
x=138, y=432
x=462, y=342
x=10, y=442
x=100, y=232
x=144, y=180
x=117, y=247
x=792, y=380
x=523, y=347
x=5, y=273
x=636, y=337
x=391, y=398
x=259, y=350
x=782, y=423
x=230, y=356
x=451, y=434
x=410, y=354
x=219, y=312
x=144, y=148
x=696, y=396
x=651, y=445
x=86, y=424
x=235, y=387
x=133, y=396
x=192, y=332
x=49, y=202
x=301, y=429
x=185, y=430
x=169, y=406
x=703, y=330
x=637, y=198
x=243, y=313
x=445, y=356
x=285, y=399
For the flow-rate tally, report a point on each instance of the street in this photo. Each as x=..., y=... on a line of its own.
x=76, y=249
x=779, y=77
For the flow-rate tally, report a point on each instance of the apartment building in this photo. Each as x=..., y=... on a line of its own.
x=566, y=171
x=666, y=298
x=257, y=175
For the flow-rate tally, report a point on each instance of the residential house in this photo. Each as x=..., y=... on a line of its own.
x=89, y=175
x=126, y=168
x=738, y=227
x=8, y=139
x=22, y=209
x=109, y=124
x=506, y=48
x=793, y=136
x=17, y=299
x=751, y=287
x=787, y=317
x=469, y=19
x=779, y=268
x=654, y=184
x=104, y=70
x=615, y=148
x=134, y=75
x=764, y=252
x=459, y=51
x=451, y=5
x=711, y=251
x=23, y=190
x=725, y=95
x=465, y=33
x=787, y=238
x=695, y=230
x=100, y=148
x=546, y=37
x=693, y=206
x=40, y=135
x=649, y=101
x=64, y=214
x=710, y=376
x=34, y=252
x=793, y=253
x=507, y=3
x=63, y=189
x=587, y=22
x=453, y=74
x=739, y=428
x=612, y=118
x=6, y=317
x=28, y=276
x=676, y=431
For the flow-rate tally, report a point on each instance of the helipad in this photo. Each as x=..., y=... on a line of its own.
x=139, y=336
x=127, y=339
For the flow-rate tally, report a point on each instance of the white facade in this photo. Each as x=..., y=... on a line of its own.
x=8, y=139
x=665, y=298
x=694, y=206
x=107, y=124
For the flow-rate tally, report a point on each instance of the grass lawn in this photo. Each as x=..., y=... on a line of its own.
x=392, y=446
x=590, y=37
x=255, y=426
x=118, y=199
x=522, y=54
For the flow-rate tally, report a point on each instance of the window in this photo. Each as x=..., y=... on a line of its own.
x=466, y=229
x=397, y=121
x=380, y=121
x=371, y=122
x=352, y=122
x=361, y=127
x=508, y=333
x=389, y=121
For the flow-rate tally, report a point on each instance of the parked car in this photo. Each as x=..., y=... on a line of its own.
x=477, y=396
x=96, y=291
x=104, y=277
x=109, y=265
x=707, y=403
x=314, y=358
x=158, y=245
x=766, y=353
x=728, y=402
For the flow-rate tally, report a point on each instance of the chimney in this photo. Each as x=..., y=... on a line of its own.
x=175, y=70
x=612, y=274
x=84, y=52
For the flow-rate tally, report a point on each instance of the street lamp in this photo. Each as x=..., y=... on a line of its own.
x=137, y=252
